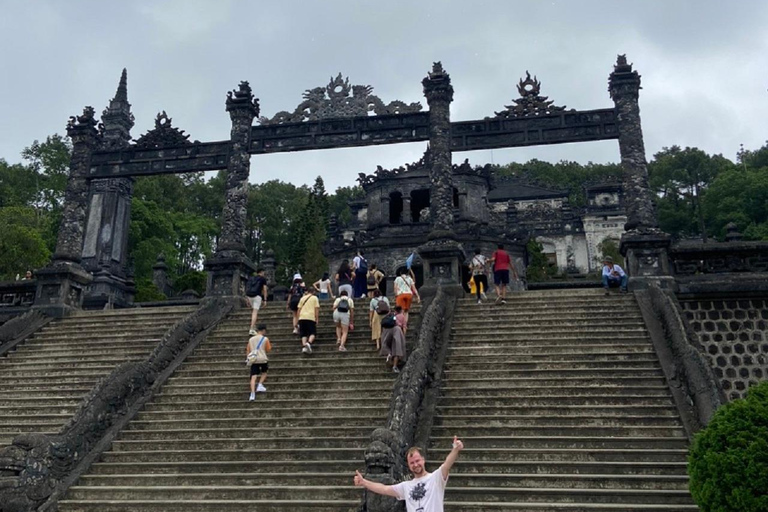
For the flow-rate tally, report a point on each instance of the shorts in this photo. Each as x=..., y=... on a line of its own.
x=259, y=368
x=323, y=296
x=255, y=302
x=307, y=328
x=501, y=277
x=341, y=317
x=404, y=301
x=348, y=288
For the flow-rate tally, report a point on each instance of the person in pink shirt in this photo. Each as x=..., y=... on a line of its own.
x=502, y=265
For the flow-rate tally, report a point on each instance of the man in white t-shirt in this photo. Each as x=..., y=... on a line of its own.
x=405, y=289
x=426, y=490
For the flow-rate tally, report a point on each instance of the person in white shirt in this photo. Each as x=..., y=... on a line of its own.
x=405, y=289
x=426, y=491
x=613, y=276
x=477, y=265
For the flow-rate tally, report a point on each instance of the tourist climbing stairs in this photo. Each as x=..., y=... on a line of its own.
x=562, y=405
x=200, y=445
x=44, y=379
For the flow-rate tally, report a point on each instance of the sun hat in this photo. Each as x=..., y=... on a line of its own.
x=607, y=259
x=296, y=276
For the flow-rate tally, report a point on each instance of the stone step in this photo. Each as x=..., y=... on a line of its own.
x=509, y=317
x=62, y=364
x=163, y=432
x=25, y=410
x=583, y=420
x=278, y=377
x=598, y=373
x=550, y=329
x=243, y=443
x=549, y=350
x=207, y=492
x=314, y=422
x=515, y=339
x=568, y=495
x=294, y=371
x=138, y=311
x=566, y=460
x=538, y=443
x=560, y=430
x=501, y=399
x=252, y=455
x=530, y=389
x=275, y=398
x=596, y=324
x=223, y=467
x=267, y=411
x=196, y=392
x=507, y=362
x=606, y=411
x=108, y=326
x=98, y=343
x=564, y=507
x=52, y=352
x=229, y=505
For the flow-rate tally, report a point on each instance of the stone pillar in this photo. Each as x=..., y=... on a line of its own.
x=643, y=244
x=385, y=210
x=105, y=249
x=407, y=215
x=442, y=254
x=229, y=268
x=61, y=284
x=160, y=276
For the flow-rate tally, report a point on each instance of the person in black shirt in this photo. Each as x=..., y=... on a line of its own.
x=256, y=290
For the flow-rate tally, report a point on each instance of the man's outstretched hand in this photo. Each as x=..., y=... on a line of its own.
x=457, y=443
x=358, y=479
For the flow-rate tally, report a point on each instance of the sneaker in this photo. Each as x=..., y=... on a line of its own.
x=252, y=397
x=309, y=348
x=395, y=369
x=482, y=295
x=479, y=301
x=498, y=299
x=252, y=332
x=261, y=389
x=389, y=357
x=342, y=348
x=503, y=301
x=305, y=349
x=295, y=330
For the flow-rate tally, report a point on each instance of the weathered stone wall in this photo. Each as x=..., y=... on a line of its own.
x=733, y=334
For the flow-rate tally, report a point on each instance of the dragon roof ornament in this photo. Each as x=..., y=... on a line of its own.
x=339, y=99
x=530, y=103
x=424, y=163
x=163, y=135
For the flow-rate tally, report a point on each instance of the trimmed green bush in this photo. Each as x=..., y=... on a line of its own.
x=194, y=280
x=146, y=291
x=728, y=461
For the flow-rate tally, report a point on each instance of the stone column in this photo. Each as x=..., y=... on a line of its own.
x=407, y=215
x=385, y=210
x=105, y=249
x=229, y=268
x=441, y=254
x=60, y=285
x=644, y=245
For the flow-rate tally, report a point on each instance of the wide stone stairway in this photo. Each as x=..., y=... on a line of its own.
x=200, y=445
x=43, y=381
x=562, y=406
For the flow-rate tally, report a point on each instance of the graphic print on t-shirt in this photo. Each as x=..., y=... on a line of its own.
x=418, y=492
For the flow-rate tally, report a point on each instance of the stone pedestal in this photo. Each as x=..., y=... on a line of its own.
x=442, y=266
x=109, y=291
x=647, y=259
x=60, y=288
x=227, y=273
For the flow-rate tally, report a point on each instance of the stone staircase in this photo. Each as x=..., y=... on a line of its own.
x=562, y=405
x=43, y=381
x=201, y=446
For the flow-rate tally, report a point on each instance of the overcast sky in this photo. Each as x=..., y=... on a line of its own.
x=703, y=65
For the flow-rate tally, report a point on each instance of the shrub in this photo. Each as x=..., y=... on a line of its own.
x=728, y=462
x=146, y=291
x=194, y=280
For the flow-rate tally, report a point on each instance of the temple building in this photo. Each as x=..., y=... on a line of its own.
x=393, y=218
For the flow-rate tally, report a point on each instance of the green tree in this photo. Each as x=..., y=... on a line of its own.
x=22, y=246
x=680, y=178
x=539, y=268
x=339, y=203
x=740, y=196
x=50, y=160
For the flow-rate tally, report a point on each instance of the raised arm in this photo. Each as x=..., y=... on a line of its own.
x=386, y=490
x=451, y=458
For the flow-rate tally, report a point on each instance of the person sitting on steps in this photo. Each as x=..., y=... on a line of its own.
x=613, y=276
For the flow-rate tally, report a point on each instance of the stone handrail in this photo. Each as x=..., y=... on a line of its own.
x=694, y=386
x=19, y=328
x=37, y=469
x=412, y=405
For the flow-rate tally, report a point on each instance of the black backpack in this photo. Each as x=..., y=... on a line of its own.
x=343, y=306
x=297, y=291
x=371, y=279
x=253, y=286
x=363, y=264
x=388, y=322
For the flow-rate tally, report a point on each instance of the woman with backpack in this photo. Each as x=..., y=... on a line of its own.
x=344, y=278
x=373, y=279
x=344, y=316
x=294, y=296
x=378, y=310
x=393, y=338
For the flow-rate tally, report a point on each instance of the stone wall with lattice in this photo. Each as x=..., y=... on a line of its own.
x=734, y=336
